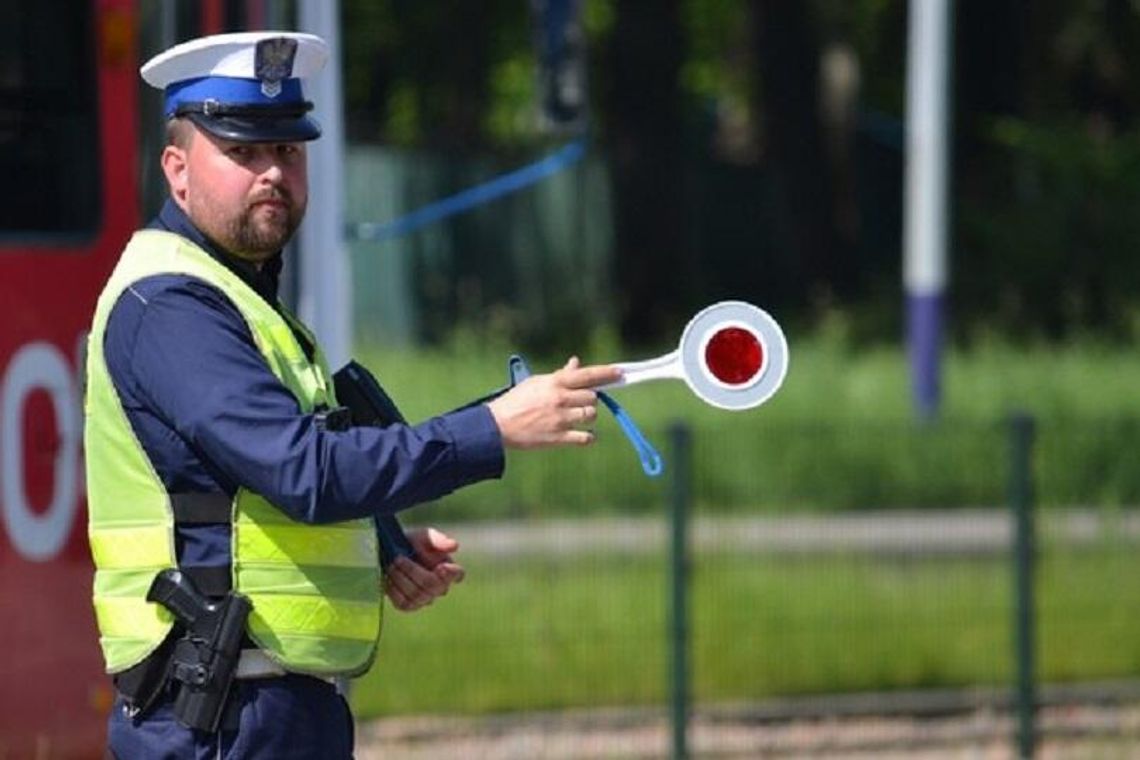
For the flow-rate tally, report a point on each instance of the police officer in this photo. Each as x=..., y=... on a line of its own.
x=208, y=449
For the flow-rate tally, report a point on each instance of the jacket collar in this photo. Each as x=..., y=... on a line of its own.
x=264, y=281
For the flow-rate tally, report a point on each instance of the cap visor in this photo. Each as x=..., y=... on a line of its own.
x=239, y=129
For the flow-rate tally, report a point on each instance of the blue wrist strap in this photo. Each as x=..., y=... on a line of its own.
x=517, y=371
x=650, y=459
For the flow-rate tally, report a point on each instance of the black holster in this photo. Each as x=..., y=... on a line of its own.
x=204, y=660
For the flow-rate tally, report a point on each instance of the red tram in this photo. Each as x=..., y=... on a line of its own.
x=70, y=146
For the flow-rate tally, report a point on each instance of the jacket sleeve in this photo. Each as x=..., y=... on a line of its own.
x=193, y=363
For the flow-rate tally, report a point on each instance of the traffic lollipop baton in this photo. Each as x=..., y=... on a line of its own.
x=732, y=355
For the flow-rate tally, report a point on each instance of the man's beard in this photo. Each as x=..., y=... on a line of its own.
x=250, y=238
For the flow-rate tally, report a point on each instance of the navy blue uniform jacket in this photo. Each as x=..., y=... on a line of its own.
x=212, y=416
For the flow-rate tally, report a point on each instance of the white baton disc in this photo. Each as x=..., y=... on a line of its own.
x=732, y=355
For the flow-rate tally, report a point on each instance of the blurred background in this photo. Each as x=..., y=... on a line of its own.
x=848, y=552
x=922, y=546
x=742, y=148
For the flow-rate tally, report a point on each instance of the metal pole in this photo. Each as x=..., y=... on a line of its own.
x=925, y=198
x=325, y=302
x=679, y=503
x=1021, y=503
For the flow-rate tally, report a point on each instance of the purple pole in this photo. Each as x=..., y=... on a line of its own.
x=925, y=210
x=924, y=349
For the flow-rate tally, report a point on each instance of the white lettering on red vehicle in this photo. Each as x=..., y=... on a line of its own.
x=39, y=535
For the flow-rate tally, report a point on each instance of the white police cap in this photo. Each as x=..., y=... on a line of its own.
x=244, y=86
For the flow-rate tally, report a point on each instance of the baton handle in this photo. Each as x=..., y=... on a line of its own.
x=667, y=367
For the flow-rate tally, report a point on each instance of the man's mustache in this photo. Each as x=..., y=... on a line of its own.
x=273, y=194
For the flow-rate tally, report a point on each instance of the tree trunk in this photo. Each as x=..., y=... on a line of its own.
x=788, y=54
x=645, y=135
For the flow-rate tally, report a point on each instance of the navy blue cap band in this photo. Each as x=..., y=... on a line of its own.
x=230, y=91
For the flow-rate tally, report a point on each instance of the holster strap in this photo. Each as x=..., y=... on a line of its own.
x=199, y=508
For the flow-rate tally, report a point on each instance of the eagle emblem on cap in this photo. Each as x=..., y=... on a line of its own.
x=273, y=62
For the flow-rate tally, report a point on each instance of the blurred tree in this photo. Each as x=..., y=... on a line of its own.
x=1047, y=169
x=644, y=126
x=788, y=97
x=421, y=73
x=755, y=149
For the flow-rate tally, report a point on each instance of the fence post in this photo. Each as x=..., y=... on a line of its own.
x=680, y=465
x=1021, y=503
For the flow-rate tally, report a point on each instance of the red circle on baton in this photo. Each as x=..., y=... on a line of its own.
x=734, y=355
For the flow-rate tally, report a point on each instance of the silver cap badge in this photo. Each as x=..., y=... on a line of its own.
x=273, y=62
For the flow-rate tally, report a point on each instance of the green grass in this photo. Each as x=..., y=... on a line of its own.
x=839, y=435
x=826, y=381
x=534, y=634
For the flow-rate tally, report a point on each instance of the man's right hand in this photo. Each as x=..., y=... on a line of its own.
x=554, y=409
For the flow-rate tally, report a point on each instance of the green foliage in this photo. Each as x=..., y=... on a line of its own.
x=512, y=115
x=719, y=68
x=598, y=17
x=1048, y=249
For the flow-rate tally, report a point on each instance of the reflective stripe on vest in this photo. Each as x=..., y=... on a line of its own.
x=314, y=588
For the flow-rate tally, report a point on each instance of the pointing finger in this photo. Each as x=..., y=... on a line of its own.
x=589, y=377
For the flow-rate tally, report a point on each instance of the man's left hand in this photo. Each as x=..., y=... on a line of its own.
x=415, y=583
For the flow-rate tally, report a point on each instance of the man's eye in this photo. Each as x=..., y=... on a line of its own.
x=238, y=152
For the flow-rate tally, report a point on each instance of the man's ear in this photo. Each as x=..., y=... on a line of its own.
x=176, y=168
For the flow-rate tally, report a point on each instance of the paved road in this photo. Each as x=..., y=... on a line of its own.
x=962, y=531
x=1068, y=732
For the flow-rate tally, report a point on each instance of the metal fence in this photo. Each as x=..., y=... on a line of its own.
x=937, y=603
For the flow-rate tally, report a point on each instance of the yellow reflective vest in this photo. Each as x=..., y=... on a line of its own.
x=314, y=588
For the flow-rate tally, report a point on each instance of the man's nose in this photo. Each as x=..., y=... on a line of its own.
x=271, y=172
